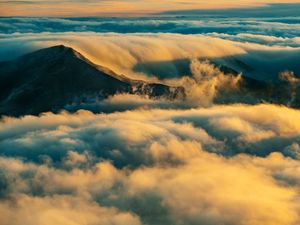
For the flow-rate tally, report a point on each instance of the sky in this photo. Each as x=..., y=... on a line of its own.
x=117, y=7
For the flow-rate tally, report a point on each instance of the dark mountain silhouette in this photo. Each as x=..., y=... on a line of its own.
x=50, y=78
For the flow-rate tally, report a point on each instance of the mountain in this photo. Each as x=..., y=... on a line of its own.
x=50, y=78
x=283, y=89
x=59, y=77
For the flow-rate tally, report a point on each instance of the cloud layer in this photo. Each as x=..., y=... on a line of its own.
x=159, y=56
x=271, y=26
x=186, y=167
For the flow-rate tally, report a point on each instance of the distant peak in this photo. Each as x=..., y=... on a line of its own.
x=52, y=52
x=56, y=52
x=59, y=48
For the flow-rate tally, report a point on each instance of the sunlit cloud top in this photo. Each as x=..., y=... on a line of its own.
x=118, y=7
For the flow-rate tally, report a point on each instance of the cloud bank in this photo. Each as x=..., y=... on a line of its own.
x=186, y=167
x=271, y=26
x=159, y=56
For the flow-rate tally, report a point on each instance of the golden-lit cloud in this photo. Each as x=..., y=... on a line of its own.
x=154, y=57
x=177, y=171
x=61, y=210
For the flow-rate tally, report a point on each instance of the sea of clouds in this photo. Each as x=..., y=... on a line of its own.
x=148, y=161
x=234, y=164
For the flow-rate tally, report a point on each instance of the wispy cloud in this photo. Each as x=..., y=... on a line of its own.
x=117, y=7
